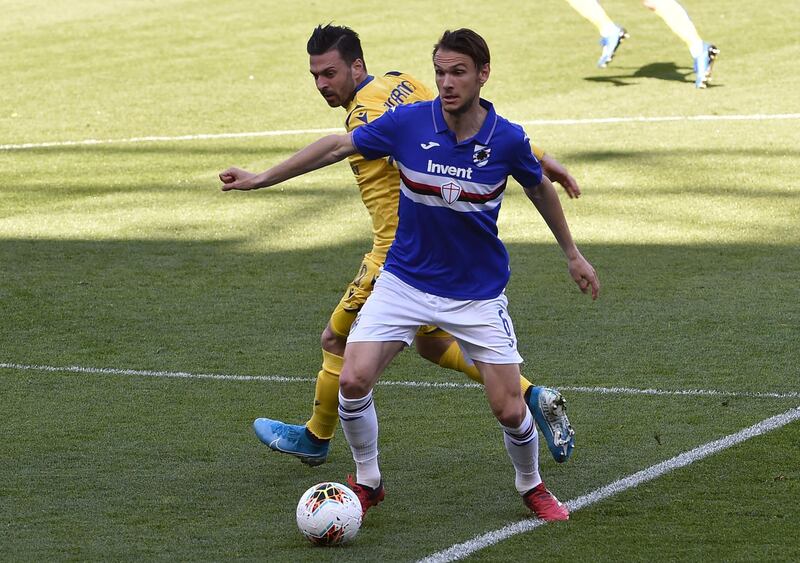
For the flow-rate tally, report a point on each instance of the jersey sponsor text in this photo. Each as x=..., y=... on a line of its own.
x=450, y=170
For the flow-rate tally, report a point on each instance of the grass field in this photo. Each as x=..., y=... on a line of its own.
x=124, y=255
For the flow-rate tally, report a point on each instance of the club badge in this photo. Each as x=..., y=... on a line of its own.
x=480, y=156
x=450, y=192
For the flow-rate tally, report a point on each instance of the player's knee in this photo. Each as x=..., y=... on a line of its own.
x=332, y=342
x=351, y=385
x=509, y=414
x=354, y=381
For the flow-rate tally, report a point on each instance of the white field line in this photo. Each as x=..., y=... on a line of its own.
x=656, y=119
x=419, y=384
x=163, y=139
x=462, y=550
x=279, y=133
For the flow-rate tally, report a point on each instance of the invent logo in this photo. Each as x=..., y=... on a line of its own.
x=450, y=170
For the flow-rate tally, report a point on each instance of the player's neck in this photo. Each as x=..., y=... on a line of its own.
x=467, y=123
x=358, y=79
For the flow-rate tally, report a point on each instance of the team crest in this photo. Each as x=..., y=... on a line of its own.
x=480, y=156
x=450, y=192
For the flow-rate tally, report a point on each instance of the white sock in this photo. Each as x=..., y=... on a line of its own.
x=522, y=445
x=594, y=12
x=676, y=18
x=609, y=29
x=697, y=48
x=360, y=425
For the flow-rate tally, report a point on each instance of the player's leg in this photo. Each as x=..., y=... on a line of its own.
x=364, y=362
x=678, y=20
x=385, y=325
x=520, y=439
x=547, y=405
x=485, y=330
x=310, y=442
x=325, y=416
x=612, y=35
x=439, y=347
x=519, y=430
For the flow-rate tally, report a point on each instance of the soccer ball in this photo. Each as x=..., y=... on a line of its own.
x=329, y=514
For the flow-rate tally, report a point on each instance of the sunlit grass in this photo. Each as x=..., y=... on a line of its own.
x=128, y=255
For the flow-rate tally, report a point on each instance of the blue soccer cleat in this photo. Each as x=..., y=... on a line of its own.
x=549, y=410
x=291, y=439
x=610, y=45
x=703, y=65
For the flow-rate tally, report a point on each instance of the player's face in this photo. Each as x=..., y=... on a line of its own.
x=333, y=77
x=458, y=81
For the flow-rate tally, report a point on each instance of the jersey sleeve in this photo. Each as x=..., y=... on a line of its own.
x=376, y=139
x=525, y=168
x=361, y=115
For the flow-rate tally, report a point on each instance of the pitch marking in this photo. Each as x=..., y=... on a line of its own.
x=461, y=550
x=422, y=384
x=279, y=133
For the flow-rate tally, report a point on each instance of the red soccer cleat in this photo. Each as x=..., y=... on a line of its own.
x=367, y=495
x=544, y=504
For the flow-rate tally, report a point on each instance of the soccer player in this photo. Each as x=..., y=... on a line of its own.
x=673, y=14
x=337, y=65
x=446, y=265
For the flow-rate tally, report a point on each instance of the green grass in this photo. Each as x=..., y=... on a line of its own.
x=128, y=256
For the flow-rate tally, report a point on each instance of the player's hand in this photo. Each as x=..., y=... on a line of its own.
x=556, y=171
x=236, y=179
x=584, y=275
x=570, y=185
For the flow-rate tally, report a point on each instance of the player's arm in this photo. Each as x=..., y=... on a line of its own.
x=545, y=198
x=318, y=154
x=554, y=170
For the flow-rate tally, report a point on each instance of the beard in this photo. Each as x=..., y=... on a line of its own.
x=461, y=108
x=342, y=97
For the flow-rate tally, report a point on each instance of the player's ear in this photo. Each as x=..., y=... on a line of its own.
x=483, y=74
x=358, y=65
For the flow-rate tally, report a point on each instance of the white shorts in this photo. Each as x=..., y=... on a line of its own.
x=395, y=311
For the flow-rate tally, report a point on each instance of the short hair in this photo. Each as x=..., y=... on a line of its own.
x=466, y=42
x=339, y=37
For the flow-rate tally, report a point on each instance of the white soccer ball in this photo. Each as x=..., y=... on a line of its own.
x=329, y=514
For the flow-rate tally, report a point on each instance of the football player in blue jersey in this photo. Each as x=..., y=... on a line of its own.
x=446, y=266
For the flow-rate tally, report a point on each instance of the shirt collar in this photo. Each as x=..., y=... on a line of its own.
x=364, y=82
x=483, y=136
x=352, y=104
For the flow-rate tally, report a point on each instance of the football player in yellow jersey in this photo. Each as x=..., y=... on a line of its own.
x=337, y=65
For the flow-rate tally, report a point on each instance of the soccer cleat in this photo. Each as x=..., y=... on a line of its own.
x=610, y=45
x=703, y=65
x=544, y=504
x=367, y=495
x=291, y=439
x=549, y=410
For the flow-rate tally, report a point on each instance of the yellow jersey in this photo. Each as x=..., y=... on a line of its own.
x=378, y=180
